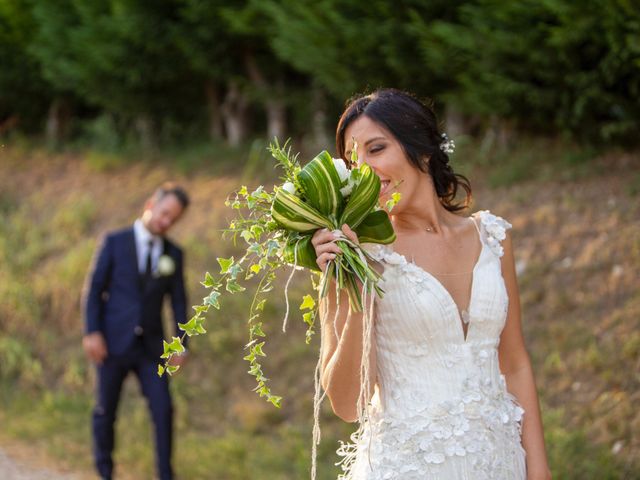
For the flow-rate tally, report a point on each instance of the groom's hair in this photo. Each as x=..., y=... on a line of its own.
x=171, y=188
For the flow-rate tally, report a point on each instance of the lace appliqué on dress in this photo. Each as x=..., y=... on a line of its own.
x=494, y=229
x=472, y=425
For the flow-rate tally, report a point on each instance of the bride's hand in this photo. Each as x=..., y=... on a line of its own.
x=324, y=243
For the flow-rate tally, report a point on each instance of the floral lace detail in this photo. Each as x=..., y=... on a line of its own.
x=495, y=230
x=411, y=271
x=380, y=253
x=471, y=425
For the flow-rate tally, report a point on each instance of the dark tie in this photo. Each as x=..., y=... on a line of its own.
x=147, y=272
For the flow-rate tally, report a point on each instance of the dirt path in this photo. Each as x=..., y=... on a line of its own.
x=15, y=467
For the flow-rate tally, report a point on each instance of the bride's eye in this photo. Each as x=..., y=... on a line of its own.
x=376, y=148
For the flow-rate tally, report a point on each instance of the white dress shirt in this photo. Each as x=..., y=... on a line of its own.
x=143, y=236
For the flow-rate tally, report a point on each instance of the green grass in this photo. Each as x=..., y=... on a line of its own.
x=49, y=230
x=525, y=160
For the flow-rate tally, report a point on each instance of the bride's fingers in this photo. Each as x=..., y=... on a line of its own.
x=324, y=259
x=330, y=247
x=321, y=236
x=351, y=235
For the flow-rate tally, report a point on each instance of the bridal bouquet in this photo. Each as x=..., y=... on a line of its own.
x=277, y=227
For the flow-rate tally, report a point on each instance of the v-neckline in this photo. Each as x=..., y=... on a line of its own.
x=452, y=303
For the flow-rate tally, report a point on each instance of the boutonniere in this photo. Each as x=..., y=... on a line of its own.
x=166, y=266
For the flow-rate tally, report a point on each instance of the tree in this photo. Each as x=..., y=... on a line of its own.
x=24, y=95
x=551, y=66
x=116, y=54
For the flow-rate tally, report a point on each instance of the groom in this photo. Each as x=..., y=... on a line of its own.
x=134, y=270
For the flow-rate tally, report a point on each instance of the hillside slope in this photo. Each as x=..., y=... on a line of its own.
x=578, y=256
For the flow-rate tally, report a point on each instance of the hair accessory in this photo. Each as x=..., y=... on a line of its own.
x=447, y=145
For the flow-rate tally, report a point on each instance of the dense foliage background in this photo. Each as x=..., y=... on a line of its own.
x=172, y=70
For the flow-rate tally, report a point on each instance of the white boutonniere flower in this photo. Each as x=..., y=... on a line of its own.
x=166, y=266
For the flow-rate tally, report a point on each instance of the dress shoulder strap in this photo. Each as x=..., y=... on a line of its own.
x=493, y=230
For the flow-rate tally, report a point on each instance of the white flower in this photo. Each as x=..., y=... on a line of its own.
x=341, y=168
x=289, y=187
x=166, y=265
x=346, y=190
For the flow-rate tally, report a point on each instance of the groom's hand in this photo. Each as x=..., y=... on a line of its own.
x=179, y=360
x=95, y=347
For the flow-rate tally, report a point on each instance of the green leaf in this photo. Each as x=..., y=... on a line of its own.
x=363, y=198
x=212, y=299
x=171, y=369
x=395, y=198
x=234, y=270
x=234, y=287
x=260, y=305
x=276, y=401
x=167, y=349
x=201, y=308
x=243, y=191
x=160, y=370
x=255, y=268
x=308, y=318
x=257, y=350
x=321, y=184
x=250, y=357
x=208, y=281
x=193, y=326
x=225, y=264
x=176, y=345
x=257, y=230
x=376, y=228
x=255, y=248
x=247, y=235
x=256, y=330
x=308, y=303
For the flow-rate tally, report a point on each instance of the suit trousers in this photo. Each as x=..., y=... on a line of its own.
x=110, y=377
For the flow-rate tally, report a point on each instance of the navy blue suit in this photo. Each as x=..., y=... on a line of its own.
x=126, y=307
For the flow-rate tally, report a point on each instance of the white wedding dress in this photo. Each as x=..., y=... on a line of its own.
x=440, y=408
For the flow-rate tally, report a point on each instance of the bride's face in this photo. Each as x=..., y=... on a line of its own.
x=378, y=148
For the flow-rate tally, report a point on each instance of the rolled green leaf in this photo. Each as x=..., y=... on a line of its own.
x=363, y=198
x=376, y=228
x=302, y=253
x=321, y=184
x=294, y=214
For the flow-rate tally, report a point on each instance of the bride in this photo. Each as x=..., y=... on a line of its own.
x=452, y=391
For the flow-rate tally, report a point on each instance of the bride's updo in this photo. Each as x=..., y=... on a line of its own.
x=414, y=125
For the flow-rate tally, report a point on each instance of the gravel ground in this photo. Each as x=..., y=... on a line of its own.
x=11, y=469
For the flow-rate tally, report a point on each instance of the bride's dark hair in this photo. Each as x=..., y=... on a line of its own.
x=414, y=124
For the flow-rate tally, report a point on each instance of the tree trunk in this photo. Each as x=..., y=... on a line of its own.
x=234, y=113
x=58, y=119
x=216, y=131
x=277, y=114
x=146, y=132
x=498, y=135
x=319, y=118
x=273, y=98
x=454, y=121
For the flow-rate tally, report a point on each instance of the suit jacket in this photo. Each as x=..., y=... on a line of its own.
x=122, y=304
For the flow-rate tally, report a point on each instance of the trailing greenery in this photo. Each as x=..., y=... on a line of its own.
x=277, y=227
